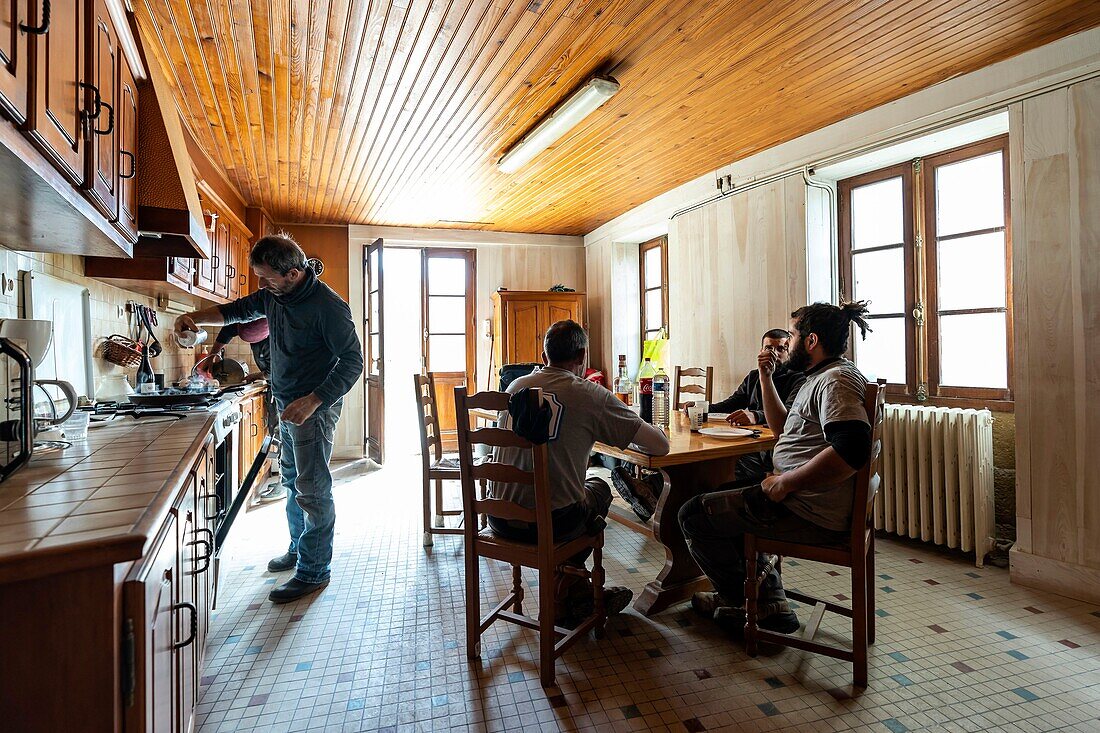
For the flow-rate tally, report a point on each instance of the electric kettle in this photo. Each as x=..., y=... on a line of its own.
x=19, y=423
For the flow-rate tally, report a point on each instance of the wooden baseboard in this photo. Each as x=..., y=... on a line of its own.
x=1054, y=576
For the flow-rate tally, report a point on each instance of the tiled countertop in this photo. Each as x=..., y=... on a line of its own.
x=100, y=501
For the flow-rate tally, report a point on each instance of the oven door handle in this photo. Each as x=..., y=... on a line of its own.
x=246, y=489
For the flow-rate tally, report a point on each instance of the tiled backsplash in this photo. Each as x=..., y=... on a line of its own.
x=106, y=300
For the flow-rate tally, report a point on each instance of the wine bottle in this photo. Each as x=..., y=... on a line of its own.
x=146, y=383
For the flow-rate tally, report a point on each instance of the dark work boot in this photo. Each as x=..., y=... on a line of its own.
x=642, y=495
x=294, y=589
x=286, y=561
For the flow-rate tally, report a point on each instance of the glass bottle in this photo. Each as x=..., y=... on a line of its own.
x=623, y=387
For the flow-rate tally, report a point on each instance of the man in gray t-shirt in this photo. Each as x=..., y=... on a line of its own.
x=581, y=413
x=824, y=440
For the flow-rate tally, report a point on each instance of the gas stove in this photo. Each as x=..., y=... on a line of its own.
x=228, y=415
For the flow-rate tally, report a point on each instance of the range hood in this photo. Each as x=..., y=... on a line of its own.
x=170, y=219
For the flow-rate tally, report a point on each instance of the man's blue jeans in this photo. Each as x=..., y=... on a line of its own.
x=310, y=511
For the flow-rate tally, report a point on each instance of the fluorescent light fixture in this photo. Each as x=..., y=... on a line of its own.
x=582, y=103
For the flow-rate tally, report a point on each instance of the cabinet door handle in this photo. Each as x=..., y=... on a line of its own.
x=97, y=101
x=110, y=120
x=217, y=262
x=205, y=557
x=205, y=498
x=44, y=28
x=255, y=430
x=194, y=624
x=133, y=164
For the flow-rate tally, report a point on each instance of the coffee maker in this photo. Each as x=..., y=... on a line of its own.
x=23, y=343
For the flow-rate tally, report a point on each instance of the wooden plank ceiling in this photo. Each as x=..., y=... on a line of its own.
x=395, y=111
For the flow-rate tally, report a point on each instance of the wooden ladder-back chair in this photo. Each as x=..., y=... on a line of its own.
x=858, y=554
x=678, y=387
x=436, y=467
x=545, y=556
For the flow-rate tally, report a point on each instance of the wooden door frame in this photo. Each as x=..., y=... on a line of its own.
x=375, y=450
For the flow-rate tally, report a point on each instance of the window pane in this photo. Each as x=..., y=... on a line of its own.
x=653, y=267
x=372, y=259
x=972, y=272
x=654, y=313
x=446, y=276
x=879, y=277
x=651, y=335
x=970, y=195
x=973, y=351
x=446, y=314
x=375, y=321
x=447, y=353
x=883, y=353
x=877, y=214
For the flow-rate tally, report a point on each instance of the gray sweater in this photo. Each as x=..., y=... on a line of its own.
x=314, y=347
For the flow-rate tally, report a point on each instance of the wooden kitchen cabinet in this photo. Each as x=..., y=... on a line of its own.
x=150, y=688
x=14, y=61
x=232, y=263
x=102, y=143
x=520, y=320
x=126, y=120
x=60, y=97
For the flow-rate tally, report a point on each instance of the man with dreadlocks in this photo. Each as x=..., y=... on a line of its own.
x=824, y=439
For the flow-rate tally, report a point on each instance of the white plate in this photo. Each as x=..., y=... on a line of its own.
x=726, y=432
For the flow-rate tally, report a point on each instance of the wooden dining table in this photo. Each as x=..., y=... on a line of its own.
x=695, y=464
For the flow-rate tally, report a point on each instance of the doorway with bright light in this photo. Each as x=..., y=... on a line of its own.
x=420, y=307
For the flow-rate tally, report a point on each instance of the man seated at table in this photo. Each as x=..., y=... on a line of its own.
x=825, y=438
x=582, y=413
x=746, y=407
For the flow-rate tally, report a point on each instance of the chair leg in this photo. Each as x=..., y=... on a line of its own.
x=860, y=610
x=428, y=540
x=752, y=584
x=439, y=503
x=517, y=588
x=546, y=626
x=597, y=592
x=870, y=585
x=483, y=519
x=473, y=604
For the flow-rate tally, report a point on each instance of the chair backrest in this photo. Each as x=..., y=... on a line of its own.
x=431, y=445
x=489, y=469
x=678, y=387
x=869, y=478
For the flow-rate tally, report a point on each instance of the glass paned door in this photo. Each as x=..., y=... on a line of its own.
x=449, y=298
x=374, y=371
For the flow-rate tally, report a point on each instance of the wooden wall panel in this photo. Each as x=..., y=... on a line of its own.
x=737, y=268
x=1056, y=284
x=330, y=245
x=1085, y=212
x=354, y=111
x=520, y=267
x=597, y=274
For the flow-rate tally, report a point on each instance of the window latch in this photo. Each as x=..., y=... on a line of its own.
x=918, y=314
x=922, y=392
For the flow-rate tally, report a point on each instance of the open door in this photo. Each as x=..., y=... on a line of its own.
x=374, y=371
x=449, y=289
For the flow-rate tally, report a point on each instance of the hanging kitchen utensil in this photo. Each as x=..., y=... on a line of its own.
x=148, y=318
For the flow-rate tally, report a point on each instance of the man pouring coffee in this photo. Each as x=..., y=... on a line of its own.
x=316, y=357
